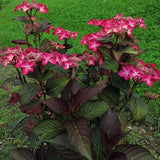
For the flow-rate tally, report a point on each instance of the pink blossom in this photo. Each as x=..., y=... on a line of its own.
x=118, y=16
x=94, y=22
x=34, y=5
x=73, y=34
x=67, y=65
x=53, y=60
x=58, y=30
x=100, y=61
x=135, y=74
x=148, y=79
x=91, y=61
x=125, y=72
x=24, y=6
x=42, y=8
x=27, y=67
x=62, y=35
x=45, y=58
x=156, y=75
x=93, y=44
x=18, y=7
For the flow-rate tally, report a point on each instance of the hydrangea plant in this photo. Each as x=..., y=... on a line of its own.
x=77, y=105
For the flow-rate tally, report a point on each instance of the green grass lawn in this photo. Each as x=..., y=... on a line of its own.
x=74, y=15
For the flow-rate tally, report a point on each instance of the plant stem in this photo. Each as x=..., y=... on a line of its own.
x=19, y=75
x=24, y=78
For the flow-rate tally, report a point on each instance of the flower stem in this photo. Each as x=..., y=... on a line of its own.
x=19, y=75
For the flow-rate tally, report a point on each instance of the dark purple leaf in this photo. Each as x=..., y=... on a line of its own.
x=110, y=125
x=68, y=46
x=22, y=153
x=118, y=156
x=22, y=19
x=44, y=44
x=71, y=89
x=109, y=144
x=43, y=25
x=40, y=153
x=21, y=42
x=82, y=96
x=134, y=152
x=35, y=106
x=62, y=145
x=79, y=133
x=110, y=130
x=14, y=98
x=57, y=105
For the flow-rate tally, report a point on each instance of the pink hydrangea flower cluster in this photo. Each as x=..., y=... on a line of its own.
x=28, y=6
x=118, y=25
x=92, y=58
x=64, y=34
x=10, y=55
x=28, y=58
x=142, y=72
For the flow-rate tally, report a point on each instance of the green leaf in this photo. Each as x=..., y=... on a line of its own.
x=8, y=84
x=123, y=119
x=93, y=109
x=79, y=133
x=35, y=74
x=110, y=94
x=22, y=153
x=63, y=146
x=46, y=75
x=138, y=108
x=27, y=92
x=134, y=152
x=97, y=143
x=48, y=129
x=18, y=122
x=117, y=54
x=132, y=51
x=119, y=82
x=52, y=154
x=104, y=51
x=110, y=64
x=55, y=85
x=55, y=68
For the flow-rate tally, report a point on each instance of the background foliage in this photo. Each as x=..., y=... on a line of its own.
x=74, y=15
